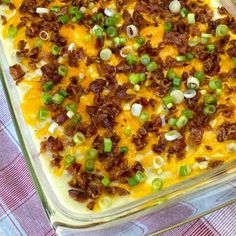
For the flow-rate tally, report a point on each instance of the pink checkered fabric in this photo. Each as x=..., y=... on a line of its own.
x=21, y=212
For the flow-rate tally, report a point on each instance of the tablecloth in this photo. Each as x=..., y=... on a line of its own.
x=21, y=212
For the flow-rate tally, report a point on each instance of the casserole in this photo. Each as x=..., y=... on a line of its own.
x=88, y=220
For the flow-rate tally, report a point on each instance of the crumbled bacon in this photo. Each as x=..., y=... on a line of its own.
x=178, y=40
x=50, y=72
x=52, y=144
x=140, y=139
x=97, y=86
x=227, y=131
x=74, y=56
x=74, y=89
x=16, y=72
x=214, y=164
x=160, y=146
x=117, y=190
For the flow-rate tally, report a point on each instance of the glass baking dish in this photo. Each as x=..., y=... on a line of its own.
x=161, y=211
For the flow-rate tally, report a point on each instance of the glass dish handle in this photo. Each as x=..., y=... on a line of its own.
x=204, y=202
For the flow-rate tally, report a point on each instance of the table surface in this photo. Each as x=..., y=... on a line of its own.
x=21, y=212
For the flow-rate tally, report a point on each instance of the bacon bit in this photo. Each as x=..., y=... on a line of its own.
x=16, y=72
x=214, y=164
x=227, y=131
x=52, y=144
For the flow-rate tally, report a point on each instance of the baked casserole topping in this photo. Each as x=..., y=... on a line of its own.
x=126, y=97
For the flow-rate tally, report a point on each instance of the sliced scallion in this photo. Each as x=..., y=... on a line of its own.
x=157, y=184
x=79, y=138
x=107, y=145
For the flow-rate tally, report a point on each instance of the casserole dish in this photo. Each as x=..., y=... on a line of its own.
x=62, y=216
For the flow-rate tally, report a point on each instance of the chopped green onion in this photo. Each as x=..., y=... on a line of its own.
x=105, y=202
x=209, y=110
x=136, y=87
x=111, y=31
x=98, y=32
x=152, y=66
x=194, y=41
x=157, y=184
x=6, y=2
x=171, y=74
x=71, y=107
x=142, y=77
x=132, y=181
x=79, y=138
x=204, y=40
x=55, y=50
x=48, y=86
x=184, y=170
x=62, y=70
x=140, y=40
x=140, y=176
x=145, y=59
x=47, y=98
x=69, y=160
x=189, y=56
x=127, y=130
x=177, y=95
x=205, y=35
x=168, y=101
x=107, y=144
x=99, y=16
x=106, y=181
x=177, y=81
x=211, y=48
x=144, y=116
x=55, y=9
x=92, y=153
x=134, y=78
x=215, y=84
x=218, y=92
x=77, y=118
x=106, y=54
x=222, y=30
x=172, y=122
x=110, y=21
x=200, y=75
x=182, y=121
x=43, y=113
x=132, y=59
x=124, y=149
x=183, y=12
x=12, y=31
x=78, y=16
x=63, y=93
x=118, y=41
x=187, y=113
x=38, y=43
x=118, y=17
x=58, y=99
x=191, y=18
x=89, y=165
x=181, y=58
x=167, y=27
x=210, y=100
x=73, y=9
x=193, y=83
x=64, y=19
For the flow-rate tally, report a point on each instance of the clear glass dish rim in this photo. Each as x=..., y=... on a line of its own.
x=50, y=203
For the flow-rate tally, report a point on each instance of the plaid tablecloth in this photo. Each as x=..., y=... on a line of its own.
x=21, y=212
